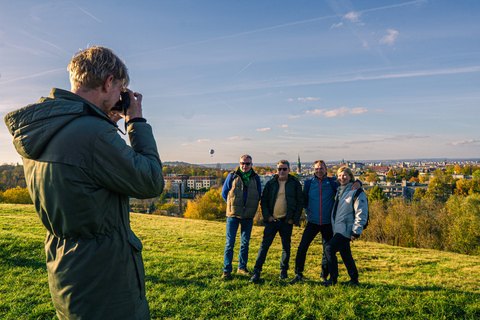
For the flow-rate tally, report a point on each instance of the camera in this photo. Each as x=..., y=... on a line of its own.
x=123, y=103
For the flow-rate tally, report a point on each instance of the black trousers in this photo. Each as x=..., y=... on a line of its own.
x=271, y=228
x=310, y=232
x=339, y=243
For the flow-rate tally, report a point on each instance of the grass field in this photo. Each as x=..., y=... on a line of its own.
x=184, y=259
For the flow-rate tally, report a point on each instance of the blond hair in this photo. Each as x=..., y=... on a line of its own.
x=348, y=171
x=90, y=68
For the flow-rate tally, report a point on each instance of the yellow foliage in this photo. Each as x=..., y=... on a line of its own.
x=17, y=195
x=210, y=206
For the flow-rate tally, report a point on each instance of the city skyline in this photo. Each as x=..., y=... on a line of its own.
x=327, y=80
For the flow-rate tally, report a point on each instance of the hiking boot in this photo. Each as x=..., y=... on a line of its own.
x=283, y=274
x=256, y=277
x=298, y=278
x=245, y=272
x=227, y=275
x=329, y=283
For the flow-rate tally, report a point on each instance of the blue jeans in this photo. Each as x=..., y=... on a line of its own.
x=245, y=232
x=271, y=229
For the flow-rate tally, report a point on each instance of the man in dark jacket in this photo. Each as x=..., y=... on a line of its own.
x=282, y=205
x=80, y=174
x=241, y=191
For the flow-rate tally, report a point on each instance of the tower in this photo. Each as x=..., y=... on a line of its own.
x=299, y=165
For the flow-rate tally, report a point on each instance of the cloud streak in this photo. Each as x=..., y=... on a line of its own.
x=340, y=112
x=262, y=129
x=239, y=138
x=465, y=142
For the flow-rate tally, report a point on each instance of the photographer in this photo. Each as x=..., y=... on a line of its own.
x=80, y=174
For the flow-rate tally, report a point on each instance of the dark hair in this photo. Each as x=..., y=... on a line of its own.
x=284, y=162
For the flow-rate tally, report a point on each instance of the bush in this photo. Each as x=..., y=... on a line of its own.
x=17, y=195
x=210, y=206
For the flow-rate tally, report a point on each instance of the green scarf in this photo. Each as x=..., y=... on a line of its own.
x=245, y=176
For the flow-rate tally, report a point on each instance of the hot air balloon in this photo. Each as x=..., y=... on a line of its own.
x=212, y=152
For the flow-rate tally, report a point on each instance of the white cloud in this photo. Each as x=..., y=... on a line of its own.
x=340, y=112
x=307, y=99
x=239, y=138
x=358, y=110
x=465, y=142
x=294, y=117
x=390, y=37
x=316, y=111
x=353, y=16
x=262, y=129
x=290, y=100
x=336, y=25
x=283, y=126
x=204, y=140
x=336, y=112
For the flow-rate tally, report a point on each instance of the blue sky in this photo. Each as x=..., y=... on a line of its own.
x=332, y=80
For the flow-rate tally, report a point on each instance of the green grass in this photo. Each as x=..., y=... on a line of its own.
x=184, y=259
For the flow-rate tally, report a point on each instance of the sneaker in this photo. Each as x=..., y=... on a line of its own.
x=245, y=272
x=298, y=278
x=329, y=283
x=283, y=274
x=256, y=277
x=227, y=275
x=352, y=283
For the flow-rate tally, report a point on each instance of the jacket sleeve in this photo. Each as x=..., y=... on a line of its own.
x=134, y=171
x=227, y=186
x=265, y=202
x=305, y=193
x=361, y=214
x=259, y=187
x=300, y=203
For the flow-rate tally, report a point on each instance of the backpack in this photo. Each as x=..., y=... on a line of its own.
x=355, y=197
x=308, y=182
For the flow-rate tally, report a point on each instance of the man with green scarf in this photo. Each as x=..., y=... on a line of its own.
x=242, y=191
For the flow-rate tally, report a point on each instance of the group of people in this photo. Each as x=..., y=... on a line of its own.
x=337, y=209
x=80, y=174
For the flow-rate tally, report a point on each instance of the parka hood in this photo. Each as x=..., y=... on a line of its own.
x=33, y=126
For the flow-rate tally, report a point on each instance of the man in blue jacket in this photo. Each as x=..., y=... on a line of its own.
x=319, y=193
x=242, y=190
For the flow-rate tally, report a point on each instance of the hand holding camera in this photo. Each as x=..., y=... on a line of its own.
x=130, y=104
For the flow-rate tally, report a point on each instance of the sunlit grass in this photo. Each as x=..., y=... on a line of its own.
x=184, y=259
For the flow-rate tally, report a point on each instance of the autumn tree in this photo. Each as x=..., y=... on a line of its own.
x=419, y=193
x=441, y=186
x=210, y=206
x=377, y=194
x=466, y=187
x=464, y=226
x=390, y=177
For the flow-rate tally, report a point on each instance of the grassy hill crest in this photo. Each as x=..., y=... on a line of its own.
x=184, y=259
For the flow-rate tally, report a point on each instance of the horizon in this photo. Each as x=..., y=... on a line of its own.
x=326, y=80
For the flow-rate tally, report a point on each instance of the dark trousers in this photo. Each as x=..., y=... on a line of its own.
x=271, y=229
x=310, y=232
x=342, y=244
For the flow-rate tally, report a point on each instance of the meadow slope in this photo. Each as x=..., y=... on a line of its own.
x=184, y=259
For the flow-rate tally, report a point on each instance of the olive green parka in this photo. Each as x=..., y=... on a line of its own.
x=80, y=174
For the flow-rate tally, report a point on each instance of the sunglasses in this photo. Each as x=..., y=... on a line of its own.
x=245, y=163
x=282, y=169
